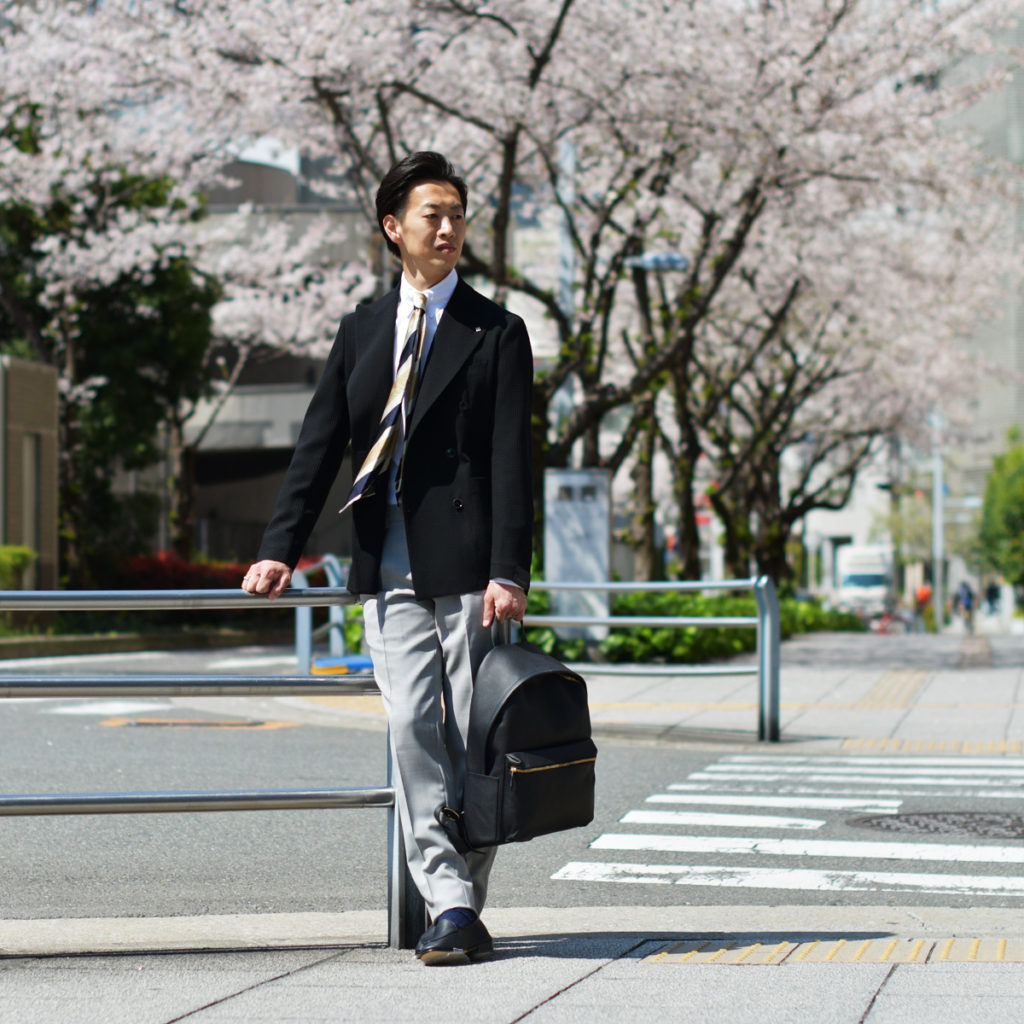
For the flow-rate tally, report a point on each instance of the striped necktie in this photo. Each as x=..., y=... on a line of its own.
x=399, y=405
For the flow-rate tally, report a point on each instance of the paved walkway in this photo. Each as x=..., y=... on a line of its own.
x=784, y=964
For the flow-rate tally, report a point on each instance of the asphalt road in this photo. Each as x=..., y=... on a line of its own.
x=767, y=802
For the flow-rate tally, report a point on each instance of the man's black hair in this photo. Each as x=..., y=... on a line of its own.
x=410, y=171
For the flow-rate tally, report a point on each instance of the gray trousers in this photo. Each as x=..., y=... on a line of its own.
x=425, y=656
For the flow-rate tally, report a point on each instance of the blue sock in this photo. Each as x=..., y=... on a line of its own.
x=459, y=916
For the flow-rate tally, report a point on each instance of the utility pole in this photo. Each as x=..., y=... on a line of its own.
x=938, y=525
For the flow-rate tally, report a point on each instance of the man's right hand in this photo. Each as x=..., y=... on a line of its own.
x=268, y=578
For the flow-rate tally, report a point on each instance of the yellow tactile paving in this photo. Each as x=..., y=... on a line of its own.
x=363, y=703
x=896, y=689
x=888, y=950
x=705, y=951
x=984, y=951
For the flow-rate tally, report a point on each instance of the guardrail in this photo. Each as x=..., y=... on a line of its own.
x=334, y=628
x=406, y=912
x=767, y=622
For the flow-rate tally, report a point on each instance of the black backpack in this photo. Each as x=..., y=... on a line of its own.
x=529, y=755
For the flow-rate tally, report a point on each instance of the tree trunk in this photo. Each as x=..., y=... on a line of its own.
x=771, y=555
x=181, y=499
x=646, y=565
x=736, y=538
x=688, y=535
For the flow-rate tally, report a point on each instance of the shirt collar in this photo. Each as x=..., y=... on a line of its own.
x=437, y=297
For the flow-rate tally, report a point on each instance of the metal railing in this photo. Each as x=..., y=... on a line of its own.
x=334, y=628
x=767, y=622
x=406, y=912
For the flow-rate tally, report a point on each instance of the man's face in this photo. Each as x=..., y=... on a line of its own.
x=429, y=233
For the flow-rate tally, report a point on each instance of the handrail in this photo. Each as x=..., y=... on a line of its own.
x=767, y=622
x=406, y=911
x=165, y=600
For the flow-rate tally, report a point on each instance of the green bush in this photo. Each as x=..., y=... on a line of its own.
x=14, y=560
x=689, y=644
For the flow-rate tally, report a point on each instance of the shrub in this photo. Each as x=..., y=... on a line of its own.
x=14, y=560
x=689, y=644
x=169, y=571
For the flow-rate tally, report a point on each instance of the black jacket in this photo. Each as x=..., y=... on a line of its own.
x=467, y=482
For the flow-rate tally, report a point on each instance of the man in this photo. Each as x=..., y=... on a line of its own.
x=436, y=404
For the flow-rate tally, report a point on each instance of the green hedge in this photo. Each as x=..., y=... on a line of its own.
x=690, y=644
x=14, y=560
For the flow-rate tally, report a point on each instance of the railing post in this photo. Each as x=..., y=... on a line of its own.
x=769, y=633
x=407, y=912
x=303, y=628
x=336, y=612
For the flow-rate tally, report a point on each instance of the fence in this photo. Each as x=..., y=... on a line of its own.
x=767, y=622
x=405, y=907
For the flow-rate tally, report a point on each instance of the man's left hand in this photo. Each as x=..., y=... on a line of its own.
x=503, y=602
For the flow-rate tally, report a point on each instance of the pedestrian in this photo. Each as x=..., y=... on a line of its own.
x=965, y=602
x=922, y=598
x=431, y=385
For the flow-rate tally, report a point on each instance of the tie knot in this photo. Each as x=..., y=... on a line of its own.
x=419, y=300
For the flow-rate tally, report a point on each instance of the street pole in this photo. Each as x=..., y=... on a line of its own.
x=938, y=526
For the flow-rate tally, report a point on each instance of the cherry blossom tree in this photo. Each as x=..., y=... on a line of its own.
x=805, y=156
x=102, y=183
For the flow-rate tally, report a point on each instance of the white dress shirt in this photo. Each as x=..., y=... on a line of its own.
x=437, y=299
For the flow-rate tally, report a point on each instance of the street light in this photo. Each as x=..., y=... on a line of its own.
x=938, y=526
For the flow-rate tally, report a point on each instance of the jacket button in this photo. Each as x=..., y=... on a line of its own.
x=449, y=453
x=458, y=505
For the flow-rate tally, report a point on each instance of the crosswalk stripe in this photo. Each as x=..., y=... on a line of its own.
x=805, y=759
x=839, y=776
x=895, y=771
x=808, y=802
x=789, y=878
x=858, y=849
x=895, y=791
x=872, y=785
x=707, y=819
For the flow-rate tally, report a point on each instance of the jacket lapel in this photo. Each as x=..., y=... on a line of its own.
x=456, y=338
x=374, y=369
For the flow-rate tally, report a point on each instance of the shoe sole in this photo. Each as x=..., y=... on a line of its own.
x=453, y=957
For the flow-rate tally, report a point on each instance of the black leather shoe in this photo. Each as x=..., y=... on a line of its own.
x=445, y=943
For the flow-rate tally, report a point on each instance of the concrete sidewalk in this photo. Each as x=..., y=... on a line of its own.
x=780, y=964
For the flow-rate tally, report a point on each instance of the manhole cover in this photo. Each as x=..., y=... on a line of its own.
x=946, y=823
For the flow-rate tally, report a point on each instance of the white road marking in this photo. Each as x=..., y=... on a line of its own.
x=875, y=785
x=895, y=761
x=839, y=777
x=709, y=819
x=111, y=707
x=704, y=787
x=809, y=802
x=962, y=772
x=83, y=659
x=861, y=850
x=790, y=879
x=255, y=661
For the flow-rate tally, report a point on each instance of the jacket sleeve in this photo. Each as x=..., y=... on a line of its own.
x=324, y=435
x=512, y=474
